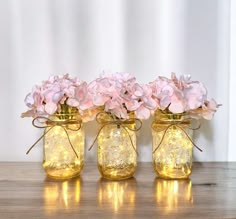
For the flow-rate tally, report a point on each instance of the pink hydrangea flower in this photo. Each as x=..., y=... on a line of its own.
x=120, y=94
x=144, y=103
x=178, y=95
x=46, y=99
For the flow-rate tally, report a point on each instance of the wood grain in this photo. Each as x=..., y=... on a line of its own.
x=26, y=193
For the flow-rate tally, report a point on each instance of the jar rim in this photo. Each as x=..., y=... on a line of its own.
x=169, y=113
x=109, y=114
x=65, y=116
x=161, y=115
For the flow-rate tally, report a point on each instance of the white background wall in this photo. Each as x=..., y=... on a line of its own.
x=232, y=79
x=145, y=38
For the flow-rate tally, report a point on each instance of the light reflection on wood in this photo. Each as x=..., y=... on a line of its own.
x=170, y=194
x=61, y=195
x=117, y=194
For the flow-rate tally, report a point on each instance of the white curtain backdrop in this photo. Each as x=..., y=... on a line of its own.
x=145, y=38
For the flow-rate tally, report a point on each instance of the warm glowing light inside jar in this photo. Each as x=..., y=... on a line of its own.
x=116, y=154
x=60, y=160
x=173, y=157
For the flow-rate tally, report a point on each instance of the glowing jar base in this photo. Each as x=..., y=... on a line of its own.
x=57, y=171
x=181, y=171
x=116, y=172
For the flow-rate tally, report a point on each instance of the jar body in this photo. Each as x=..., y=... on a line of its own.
x=117, y=157
x=172, y=146
x=60, y=160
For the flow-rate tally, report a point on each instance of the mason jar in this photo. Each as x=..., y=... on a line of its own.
x=117, y=155
x=63, y=151
x=172, y=145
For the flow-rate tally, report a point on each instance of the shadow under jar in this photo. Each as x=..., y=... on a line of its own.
x=63, y=154
x=172, y=145
x=117, y=156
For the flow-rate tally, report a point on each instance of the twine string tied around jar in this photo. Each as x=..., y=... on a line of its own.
x=178, y=125
x=121, y=123
x=42, y=122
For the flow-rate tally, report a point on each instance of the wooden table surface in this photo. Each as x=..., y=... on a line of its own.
x=26, y=193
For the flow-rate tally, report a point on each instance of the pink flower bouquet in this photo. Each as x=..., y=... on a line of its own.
x=119, y=94
x=56, y=94
x=181, y=95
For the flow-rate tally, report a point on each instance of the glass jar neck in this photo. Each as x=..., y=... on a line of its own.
x=105, y=117
x=66, y=113
x=171, y=117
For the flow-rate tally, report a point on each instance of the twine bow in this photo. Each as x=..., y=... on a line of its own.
x=121, y=123
x=178, y=125
x=42, y=122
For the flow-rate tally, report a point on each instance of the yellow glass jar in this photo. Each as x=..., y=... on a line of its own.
x=117, y=156
x=63, y=155
x=172, y=145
